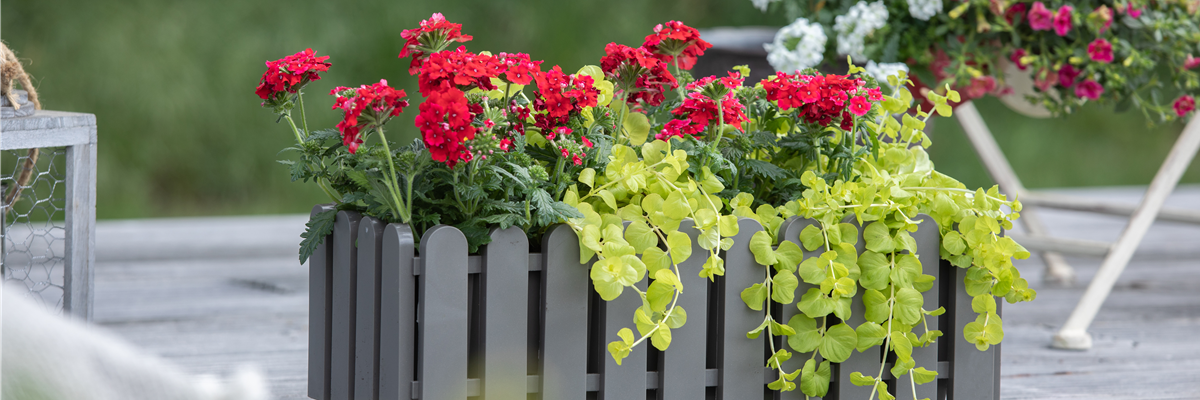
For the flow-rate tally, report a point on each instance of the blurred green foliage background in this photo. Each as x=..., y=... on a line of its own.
x=181, y=131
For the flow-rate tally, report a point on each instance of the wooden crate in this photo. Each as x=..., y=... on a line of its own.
x=389, y=322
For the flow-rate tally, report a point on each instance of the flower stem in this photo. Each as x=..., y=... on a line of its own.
x=295, y=130
x=401, y=212
x=619, y=125
x=303, y=118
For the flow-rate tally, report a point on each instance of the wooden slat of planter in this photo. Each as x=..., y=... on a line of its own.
x=442, y=312
x=740, y=359
x=975, y=372
x=682, y=367
x=564, y=315
x=319, y=306
x=505, y=281
x=366, y=346
x=790, y=231
x=868, y=362
x=345, y=258
x=398, y=314
x=628, y=380
x=929, y=242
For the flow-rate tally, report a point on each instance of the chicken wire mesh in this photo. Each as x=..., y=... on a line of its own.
x=33, y=229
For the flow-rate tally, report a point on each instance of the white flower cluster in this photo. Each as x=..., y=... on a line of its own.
x=882, y=71
x=763, y=4
x=924, y=9
x=852, y=28
x=797, y=46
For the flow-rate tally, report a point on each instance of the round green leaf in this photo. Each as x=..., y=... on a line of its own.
x=838, y=342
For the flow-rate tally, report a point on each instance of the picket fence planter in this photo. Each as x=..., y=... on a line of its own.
x=390, y=322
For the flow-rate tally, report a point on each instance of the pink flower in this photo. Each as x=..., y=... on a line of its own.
x=1016, y=58
x=1067, y=75
x=505, y=144
x=874, y=94
x=1040, y=18
x=587, y=142
x=1102, y=17
x=1191, y=62
x=1184, y=104
x=1062, y=20
x=577, y=160
x=859, y=106
x=1089, y=89
x=1100, y=50
x=1045, y=79
x=1135, y=12
x=979, y=87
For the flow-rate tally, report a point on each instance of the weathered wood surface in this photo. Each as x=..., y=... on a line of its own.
x=209, y=314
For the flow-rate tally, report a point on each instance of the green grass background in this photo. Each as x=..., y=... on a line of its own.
x=181, y=131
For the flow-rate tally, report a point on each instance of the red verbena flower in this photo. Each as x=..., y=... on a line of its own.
x=1100, y=50
x=1184, y=104
x=379, y=98
x=637, y=73
x=679, y=128
x=820, y=98
x=1089, y=89
x=459, y=68
x=559, y=95
x=701, y=105
x=445, y=123
x=518, y=68
x=1040, y=18
x=433, y=35
x=1062, y=20
x=289, y=74
x=676, y=42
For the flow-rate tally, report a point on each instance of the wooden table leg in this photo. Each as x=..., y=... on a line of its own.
x=1073, y=334
x=1057, y=269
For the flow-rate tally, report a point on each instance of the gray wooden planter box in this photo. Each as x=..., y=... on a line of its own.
x=390, y=321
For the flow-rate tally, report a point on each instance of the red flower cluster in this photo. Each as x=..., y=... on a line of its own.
x=676, y=42
x=638, y=73
x=519, y=69
x=445, y=123
x=446, y=116
x=820, y=98
x=379, y=98
x=574, y=151
x=460, y=68
x=434, y=33
x=700, y=109
x=559, y=95
x=289, y=74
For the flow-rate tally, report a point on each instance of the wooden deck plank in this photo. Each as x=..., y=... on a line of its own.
x=209, y=311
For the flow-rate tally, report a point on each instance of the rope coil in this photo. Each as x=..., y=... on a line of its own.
x=11, y=70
